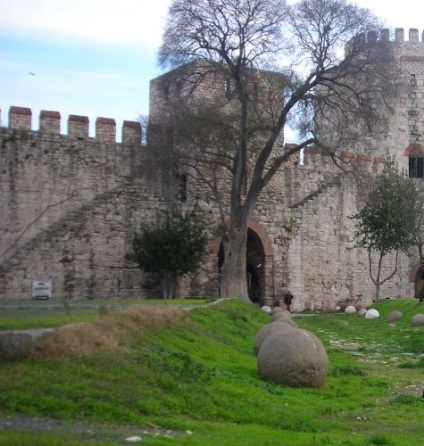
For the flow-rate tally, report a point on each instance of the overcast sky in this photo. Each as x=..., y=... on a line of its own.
x=96, y=57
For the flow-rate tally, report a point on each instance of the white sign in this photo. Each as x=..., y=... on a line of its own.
x=41, y=289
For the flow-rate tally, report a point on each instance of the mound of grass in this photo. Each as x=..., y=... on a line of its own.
x=34, y=314
x=195, y=371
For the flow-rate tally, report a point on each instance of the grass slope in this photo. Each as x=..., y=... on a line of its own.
x=194, y=374
x=55, y=313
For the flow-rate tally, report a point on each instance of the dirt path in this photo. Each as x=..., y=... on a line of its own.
x=85, y=431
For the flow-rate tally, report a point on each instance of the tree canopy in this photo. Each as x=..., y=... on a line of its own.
x=170, y=249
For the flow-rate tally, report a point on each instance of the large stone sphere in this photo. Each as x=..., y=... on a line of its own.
x=372, y=314
x=417, y=320
x=394, y=316
x=280, y=315
x=350, y=309
x=286, y=321
x=295, y=358
x=276, y=310
x=265, y=331
x=287, y=313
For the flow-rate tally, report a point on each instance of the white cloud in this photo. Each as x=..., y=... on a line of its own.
x=407, y=14
x=134, y=22
x=127, y=22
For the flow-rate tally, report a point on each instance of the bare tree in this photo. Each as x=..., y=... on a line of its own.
x=281, y=64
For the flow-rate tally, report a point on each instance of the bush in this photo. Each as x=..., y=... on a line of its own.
x=170, y=250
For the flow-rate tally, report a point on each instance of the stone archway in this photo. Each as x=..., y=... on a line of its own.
x=415, y=277
x=255, y=267
x=415, y=154
x=258, y=250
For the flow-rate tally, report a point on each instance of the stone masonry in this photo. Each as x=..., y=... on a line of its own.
x=70, y=204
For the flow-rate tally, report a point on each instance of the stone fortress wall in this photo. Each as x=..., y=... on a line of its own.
x=71, y=202
x=67, y=201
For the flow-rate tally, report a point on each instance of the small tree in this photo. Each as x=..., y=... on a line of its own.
x=386, y=221
x=169, y=250
x=417, y=224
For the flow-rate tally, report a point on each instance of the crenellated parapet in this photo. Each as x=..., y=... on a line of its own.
x=408, y=45
x=387, y=35
x=20, y=118
x=413, y=34
x=399, y=35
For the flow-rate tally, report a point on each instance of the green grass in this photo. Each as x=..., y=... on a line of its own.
x=55, y=313
x=14, y=438
x=195, y=372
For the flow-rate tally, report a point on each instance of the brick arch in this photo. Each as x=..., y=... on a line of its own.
x=255, y=227
x=413, y=272
x=263, y=235
x=414, y=150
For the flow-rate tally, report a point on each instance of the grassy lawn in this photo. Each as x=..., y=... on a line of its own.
x=29, y=314
x=164, y=372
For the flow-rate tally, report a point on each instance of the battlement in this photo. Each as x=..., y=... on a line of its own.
x=399, y=35
x=387, y=35
x=20, y=118
x=413, y=35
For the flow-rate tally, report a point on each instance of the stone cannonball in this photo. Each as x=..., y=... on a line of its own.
x=268, y=329
x=287, y=313
x=280, y=315
x=266, y=308
x=350, y=309
x=286, y=321
x=295, y=358
x=417, y=320
x=372, y=314
x=394, y=316
x=276, y=310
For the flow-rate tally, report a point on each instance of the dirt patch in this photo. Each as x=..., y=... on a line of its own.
x=85, y=430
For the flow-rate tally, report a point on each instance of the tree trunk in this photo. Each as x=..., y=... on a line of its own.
x=168, y=284
x=378, y=282
x=233, y=271
x=377, y=292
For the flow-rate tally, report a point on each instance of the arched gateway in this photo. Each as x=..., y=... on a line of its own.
x=416, y=278
x=259, y=262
